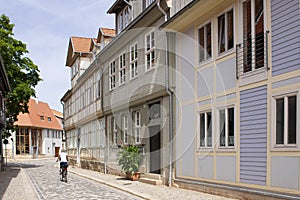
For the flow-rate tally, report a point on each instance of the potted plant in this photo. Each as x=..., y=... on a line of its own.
x=130, y=160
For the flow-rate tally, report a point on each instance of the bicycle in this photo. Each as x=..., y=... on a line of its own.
x=64, y=173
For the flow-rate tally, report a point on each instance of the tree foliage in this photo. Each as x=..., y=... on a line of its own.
x=23, y=74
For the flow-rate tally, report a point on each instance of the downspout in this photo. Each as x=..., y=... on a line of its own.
x=63, y=123
x=170, y=93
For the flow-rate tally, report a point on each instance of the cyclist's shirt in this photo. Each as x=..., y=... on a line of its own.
x=63, y=157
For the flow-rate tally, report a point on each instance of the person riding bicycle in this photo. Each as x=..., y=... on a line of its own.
x=63, y=158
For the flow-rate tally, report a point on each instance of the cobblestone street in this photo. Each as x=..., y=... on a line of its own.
x=39, y=179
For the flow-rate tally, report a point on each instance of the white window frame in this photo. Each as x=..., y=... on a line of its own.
x=137, y=127
x=115, y=131
x=112, y=75
x=150, y=50
x=206, y=57
x=124, y=18
x=226, y=127
x=122, y=69
x=125, y=129
x=225, y=13
x=285, y=146
x=206, y=145
x=133, y=61
x=120, y=21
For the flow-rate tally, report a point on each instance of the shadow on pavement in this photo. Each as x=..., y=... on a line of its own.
x=11, y=171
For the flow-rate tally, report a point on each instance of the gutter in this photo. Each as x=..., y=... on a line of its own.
x=178, y=14
x=170, y=93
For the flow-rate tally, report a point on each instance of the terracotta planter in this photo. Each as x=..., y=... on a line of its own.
x=133, y=177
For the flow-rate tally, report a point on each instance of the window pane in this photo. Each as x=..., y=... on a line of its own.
x=201, y=44
x=292, y=119
x=231, y=127
x=222, y=128
x=247, y=36
x=148, y=42
x=230, y=31
x=209, y=130
x=221, y=32
x=279, y=121
x=208, y=42
x=202, y=130
x=259, y=33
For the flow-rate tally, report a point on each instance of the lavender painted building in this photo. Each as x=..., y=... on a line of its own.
x=238, y=101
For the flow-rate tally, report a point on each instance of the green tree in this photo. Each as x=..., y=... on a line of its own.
x=23, y=74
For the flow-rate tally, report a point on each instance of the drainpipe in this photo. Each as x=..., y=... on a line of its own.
x=170, y=93
x=64, y=135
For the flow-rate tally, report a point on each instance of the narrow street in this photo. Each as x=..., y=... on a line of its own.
x=39, y=179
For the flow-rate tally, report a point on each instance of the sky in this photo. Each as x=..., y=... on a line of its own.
x=46, y=26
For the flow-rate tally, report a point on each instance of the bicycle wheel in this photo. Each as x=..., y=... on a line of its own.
x=65, y=176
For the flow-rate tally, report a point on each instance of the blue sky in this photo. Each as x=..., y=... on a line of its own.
x=46, y=26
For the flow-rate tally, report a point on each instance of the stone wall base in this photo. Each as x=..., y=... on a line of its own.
x=95, y=165
x=232, y=191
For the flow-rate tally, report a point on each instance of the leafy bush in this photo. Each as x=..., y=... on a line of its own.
x=130, y=159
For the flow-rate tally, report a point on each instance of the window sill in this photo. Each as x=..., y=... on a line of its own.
x=149, y=70
x=205, y=62
x=230, y=149
x=205, y=149
x=121, y=84
x=225, y=53
x=281, y=148
x=134, y=78
x=253, y=76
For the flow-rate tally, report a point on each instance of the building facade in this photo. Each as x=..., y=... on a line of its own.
x=238, y=90
x=121, y=98
x=38, y=133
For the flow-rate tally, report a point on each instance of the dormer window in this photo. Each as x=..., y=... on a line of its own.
x=124, y=18
x=41, y=117
x=49, y=119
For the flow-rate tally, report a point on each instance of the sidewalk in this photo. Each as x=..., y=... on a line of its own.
x=143, y=190
x=15, y=184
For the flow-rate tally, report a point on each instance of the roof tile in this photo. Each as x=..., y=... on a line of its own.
x=38, y=109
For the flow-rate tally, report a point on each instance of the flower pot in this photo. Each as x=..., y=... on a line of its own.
x=134, y=177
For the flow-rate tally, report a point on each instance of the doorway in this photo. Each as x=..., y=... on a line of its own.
x=56, y=151
x=155, y=149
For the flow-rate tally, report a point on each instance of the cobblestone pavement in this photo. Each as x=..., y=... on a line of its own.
x=41, y=181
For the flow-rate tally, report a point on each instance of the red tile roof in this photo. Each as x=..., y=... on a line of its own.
x=38, y=110
x=108, y=32
x=81, y=44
